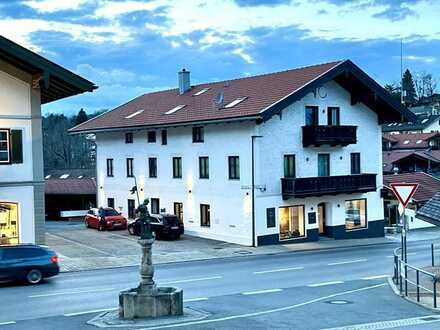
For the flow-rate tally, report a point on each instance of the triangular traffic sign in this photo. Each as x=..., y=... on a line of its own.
x=404, y=191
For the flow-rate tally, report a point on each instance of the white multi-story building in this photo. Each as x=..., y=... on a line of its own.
x=27, y=80
x=277, y=158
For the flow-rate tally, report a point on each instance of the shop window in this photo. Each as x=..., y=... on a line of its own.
x=292, y=224
x=9, y=223
x=355, y=214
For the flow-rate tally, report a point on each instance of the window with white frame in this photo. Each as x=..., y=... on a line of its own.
x=5, y=147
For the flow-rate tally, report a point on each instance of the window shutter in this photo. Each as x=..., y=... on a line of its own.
x=17, y=146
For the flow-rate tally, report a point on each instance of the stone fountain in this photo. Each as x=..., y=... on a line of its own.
x=147, y=300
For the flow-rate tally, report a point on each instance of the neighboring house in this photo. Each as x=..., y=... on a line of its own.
x=69, y=193
x=425, y=123
x=27, y=80
x=411, y=152
x=276, y=158
x=428, y=187
x=430, y=212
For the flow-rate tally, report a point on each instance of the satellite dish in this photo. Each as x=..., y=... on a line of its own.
x=219, y=98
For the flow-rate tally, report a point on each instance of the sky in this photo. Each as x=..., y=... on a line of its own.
x=132, y=47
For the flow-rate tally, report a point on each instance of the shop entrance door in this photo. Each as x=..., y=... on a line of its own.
x=321, y=218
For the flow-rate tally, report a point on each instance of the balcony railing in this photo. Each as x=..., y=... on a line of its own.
x=328, y=135
x=327, y=185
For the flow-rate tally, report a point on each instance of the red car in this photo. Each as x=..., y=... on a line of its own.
x=113, y=219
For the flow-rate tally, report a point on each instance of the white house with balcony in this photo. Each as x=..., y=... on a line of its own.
x=278, y=158
x=27, y=80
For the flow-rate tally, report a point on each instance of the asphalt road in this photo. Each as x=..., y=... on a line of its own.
x=292, y=291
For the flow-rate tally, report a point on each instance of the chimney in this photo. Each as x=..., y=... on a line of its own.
x=184, y=82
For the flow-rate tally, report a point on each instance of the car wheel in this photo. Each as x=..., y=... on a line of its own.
x=34, y=276
x=100, y=227
x=87, y=224
x=131, y=230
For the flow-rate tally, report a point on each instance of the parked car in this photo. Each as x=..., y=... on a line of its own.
x=113, y=219
x=163, y=225
x=27, y=262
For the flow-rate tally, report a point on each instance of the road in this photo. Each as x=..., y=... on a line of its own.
x=307, y=290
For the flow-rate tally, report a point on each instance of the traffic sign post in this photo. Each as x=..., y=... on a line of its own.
x=404, y=192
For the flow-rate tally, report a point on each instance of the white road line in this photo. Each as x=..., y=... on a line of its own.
x=249, y=293
x=195, y=299
x=375, y=277
x=192, y=280
x=278, y=270
x=6, y=323
x=269, y=311
x=91, y=311
x=70, y=292
x=324, y=284
x=346, y=262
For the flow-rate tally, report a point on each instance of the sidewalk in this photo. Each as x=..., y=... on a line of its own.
x=85, y=249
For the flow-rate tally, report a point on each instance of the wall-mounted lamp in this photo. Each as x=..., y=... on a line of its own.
x=339, y=205
x=247, y=193
x=311, y=208
x=340, y=158
x=189, y=191
x=307, y=159
x=100, y=187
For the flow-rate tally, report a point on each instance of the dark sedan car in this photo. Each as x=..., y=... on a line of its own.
x=163, y=225
x=27, y=262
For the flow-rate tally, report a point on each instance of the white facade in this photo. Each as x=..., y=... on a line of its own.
x=230, y=200
x=21, y=183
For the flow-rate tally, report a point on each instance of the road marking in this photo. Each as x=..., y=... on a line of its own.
x=70, y=292
x=193, y=280
x=6, y=323
x=91, y=311
x=346, y=262
x=375, y=277
x=195, y=299
x=249, y=293
x=269, y=311
x=391, y=324
x=278, y=270
x=324, y=284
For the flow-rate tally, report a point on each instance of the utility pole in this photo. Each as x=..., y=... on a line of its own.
x=402, y=99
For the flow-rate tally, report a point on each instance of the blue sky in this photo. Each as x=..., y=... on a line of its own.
x=131, y=47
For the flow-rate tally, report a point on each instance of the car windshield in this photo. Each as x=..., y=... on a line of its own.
x=110, y=212
x=171, y=221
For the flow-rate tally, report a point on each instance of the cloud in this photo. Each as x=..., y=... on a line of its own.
x=51, y=6
x=422, y=59
x=113, y=9
x=246, y=57
x=101, y=76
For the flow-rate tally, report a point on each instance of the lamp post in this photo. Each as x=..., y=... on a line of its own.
x=253, y=137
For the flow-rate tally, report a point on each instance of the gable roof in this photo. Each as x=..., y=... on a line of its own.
x=57, y=82
x=428, y=185
x=265, y=95
x=419, y=124
x=430, y=212
x=409, y=140
x=70, y=186
x=389, y=158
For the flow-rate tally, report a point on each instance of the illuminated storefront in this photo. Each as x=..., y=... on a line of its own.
x=291, y=222
x=9, y=223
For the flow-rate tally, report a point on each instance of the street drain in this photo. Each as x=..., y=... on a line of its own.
x=430, y=318
x=338, y=302
x=243, y=252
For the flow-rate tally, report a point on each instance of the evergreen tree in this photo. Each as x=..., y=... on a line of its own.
x=410, y=96
x=81, y=117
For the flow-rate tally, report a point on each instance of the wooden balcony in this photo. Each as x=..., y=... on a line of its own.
x=327, y=185
x=328, y=135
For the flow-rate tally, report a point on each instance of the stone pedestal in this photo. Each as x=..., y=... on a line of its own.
x=147, y=300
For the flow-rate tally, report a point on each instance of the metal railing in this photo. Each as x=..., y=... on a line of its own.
x=401, y=278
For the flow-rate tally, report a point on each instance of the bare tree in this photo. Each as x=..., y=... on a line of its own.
x=425, y=85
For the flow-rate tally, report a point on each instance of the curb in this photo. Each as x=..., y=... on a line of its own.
x=397, y=292
x=346, y=247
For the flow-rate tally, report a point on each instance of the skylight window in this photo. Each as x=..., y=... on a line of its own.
x=134, y=114
x=406, y=142
x=419, y=141
x=64, y=176
x=173, y=110
x=424, y=120
x=200, y=92
x=47, y=176
x=80, y=177
x=235, y=102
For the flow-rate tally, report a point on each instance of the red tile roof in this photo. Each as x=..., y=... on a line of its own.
x=74, y=186
x=260, y=92
x=428, y=185
x=398, y=140
x=390, y=157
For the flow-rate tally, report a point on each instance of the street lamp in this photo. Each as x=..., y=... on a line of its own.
x=253, y=137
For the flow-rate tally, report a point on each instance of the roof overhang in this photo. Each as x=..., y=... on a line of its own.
x=435, y=222
x=55, y=81
x=362, y=88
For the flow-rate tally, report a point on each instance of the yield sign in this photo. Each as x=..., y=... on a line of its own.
x=404, y=191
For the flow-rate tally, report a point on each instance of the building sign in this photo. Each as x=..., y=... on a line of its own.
x=8, y=223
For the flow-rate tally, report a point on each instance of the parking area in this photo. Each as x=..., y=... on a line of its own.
x=80, y=248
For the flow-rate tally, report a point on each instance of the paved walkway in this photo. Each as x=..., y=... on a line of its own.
x=85, y=249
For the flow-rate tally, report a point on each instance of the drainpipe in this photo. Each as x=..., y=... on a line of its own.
x=253, y=137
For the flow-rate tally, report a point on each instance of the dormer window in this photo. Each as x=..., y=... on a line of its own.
x=235, y=102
